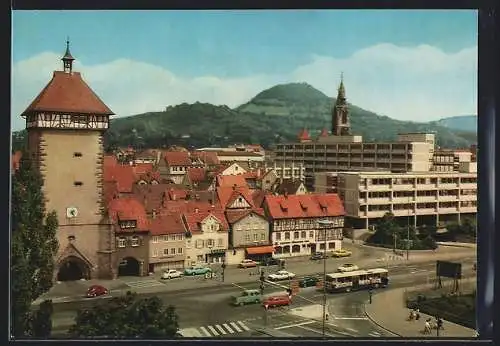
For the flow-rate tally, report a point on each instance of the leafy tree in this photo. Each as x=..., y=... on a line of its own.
x=34, y=245
x=41, y=321
x=385, y=230
x=127, y=317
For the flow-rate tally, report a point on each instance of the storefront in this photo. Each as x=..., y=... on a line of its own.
x=260, y=253
x=215, y=256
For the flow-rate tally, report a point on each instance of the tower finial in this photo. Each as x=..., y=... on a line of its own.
x=342, y=77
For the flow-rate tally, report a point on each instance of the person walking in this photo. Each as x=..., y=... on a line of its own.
x=427, y=326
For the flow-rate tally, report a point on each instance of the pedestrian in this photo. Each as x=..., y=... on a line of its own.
x=417, y=315
x=427, y=327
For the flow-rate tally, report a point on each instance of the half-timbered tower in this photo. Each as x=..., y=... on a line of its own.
x=65, y=125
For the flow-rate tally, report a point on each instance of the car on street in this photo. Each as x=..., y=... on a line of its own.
x=247, y=263
x=247, y=297
x=318, y=256
x=347, y=267
x=281, y=275
x=197, y=270
x=170, y=274
x=281, y=300
x=341, y=253
x=96, y=291
x=308, y=281
x=270, y=261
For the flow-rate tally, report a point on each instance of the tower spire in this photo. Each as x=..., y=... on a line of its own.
x=341, y=91
x=67, y=59
x=340, y=112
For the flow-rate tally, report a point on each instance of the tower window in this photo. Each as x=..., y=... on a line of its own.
x=77, y=154
x=78, y=183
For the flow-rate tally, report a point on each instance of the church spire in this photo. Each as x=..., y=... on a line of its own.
x=67, y=59
x=341, y=91
x=340, y=112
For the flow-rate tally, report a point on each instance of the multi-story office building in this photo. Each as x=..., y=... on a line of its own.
x=341, y=151
x=450, y=160
x=422, y=197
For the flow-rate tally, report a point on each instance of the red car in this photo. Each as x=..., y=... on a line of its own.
x=96, y=291
x=272, y=302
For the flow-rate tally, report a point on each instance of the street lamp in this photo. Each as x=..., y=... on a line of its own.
x=408, y=232
x=324, y=224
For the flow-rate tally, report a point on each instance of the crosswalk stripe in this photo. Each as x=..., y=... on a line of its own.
x=374, y=334
x=190, y=333
x=204, y=330
x=212, y=329
x=228, y=328
x=235, y=326
x=243, y=326
x=220, y=329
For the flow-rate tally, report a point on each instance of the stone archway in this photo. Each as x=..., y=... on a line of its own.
x=73, y=268
x=129, y=266
x=296, y=248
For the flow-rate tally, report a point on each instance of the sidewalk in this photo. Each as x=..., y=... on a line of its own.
x=388, y=312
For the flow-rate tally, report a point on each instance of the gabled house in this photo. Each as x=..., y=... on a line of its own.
x=207, y=236
x=269, y=180
x=196, y=178
x=295, y=230
x=291, y=187
x=131, y=229
x=174, y=165
x=231, y=169
x=167, y=247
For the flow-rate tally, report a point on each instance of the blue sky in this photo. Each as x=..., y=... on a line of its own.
x=204, y=55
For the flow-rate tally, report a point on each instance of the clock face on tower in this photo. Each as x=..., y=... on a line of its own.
x=71, y=212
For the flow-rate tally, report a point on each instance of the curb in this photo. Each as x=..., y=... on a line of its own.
x=378, y=324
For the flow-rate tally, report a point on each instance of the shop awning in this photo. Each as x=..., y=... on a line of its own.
x=260, y=250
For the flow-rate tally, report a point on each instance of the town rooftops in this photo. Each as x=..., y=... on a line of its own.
x=177, y=158
x=68, y=93
x=193, y=220
x=304, y=206
x=167, y=224
x=128, y=209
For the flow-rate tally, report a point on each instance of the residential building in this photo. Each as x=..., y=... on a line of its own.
x=342, y=151
x=295, y=230
x=167, y=247
x=269, y=180
x=418, y=197
x=65, y=125
x=252, y=159
x=291, y=187
x=287, y=170
x=449, y=160
x=248, y=235
x=131, y=229
x=207, y=236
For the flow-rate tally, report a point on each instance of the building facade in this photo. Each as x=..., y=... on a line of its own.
x=429, y=198
x=65, y=126
x=167, y=247
x=295, y=230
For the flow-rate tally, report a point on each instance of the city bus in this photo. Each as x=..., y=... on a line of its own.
x=355, y=280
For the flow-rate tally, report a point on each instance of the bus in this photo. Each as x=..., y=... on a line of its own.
x=355, y=280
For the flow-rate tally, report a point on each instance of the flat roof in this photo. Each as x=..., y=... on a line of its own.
x=425, y=173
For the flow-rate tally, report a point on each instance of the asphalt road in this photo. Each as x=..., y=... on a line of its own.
x=206, y=312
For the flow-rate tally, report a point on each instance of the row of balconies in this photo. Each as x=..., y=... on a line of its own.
x=389, y=187
x=423, y=211
x=385, y=200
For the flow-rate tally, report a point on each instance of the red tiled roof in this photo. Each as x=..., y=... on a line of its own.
x=68, y=93
x=227, y=195
x=208, y=157
x=231, y=180
x=233, y=216
x=177, y=194
x=324, y=133
x=238, y=153
x=152, y=196
x=110, y=191
x=303, y=206
x=126, y=209
x=16, y=160
x=303, y=135
x=109, y=161
x=177, y=158
x=123, y=175
x=219, y=169
x=196, y=174
x=187, y=206
x=167, y=224
x=258, y=197
x=193, y=220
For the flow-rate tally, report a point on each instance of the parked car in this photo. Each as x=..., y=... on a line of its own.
x=281, y=300
x=341, y=253
x=197, y=270
x=318, y=256
x=96, y=291
x=247, y=297
x=170, y=274
x=308, y=281
x=270, y=261
x=247, y=263
x=347, y=267
x=281, y=275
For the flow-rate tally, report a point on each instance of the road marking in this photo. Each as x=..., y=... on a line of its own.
x=321, y=332
x=204, y=330
x=243, y=326
x=235, y=326
x=212, y=329
x=190, y=333
x=295, y=325
x=351, y=318
x=228, y=328
x=220, y=329
x=375, y=334
x=351, y=330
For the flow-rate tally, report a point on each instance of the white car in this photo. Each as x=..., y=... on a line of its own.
x=347, y=267
x=170, y=274
x=281, y=275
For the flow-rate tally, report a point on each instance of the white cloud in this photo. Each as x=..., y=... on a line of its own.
x=409, y=83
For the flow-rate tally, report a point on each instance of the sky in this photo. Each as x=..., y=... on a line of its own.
x=408, y=65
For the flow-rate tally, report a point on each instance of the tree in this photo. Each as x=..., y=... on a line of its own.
x=385, y=230
x=34, y=244
x=127, y=317
x=41, y=320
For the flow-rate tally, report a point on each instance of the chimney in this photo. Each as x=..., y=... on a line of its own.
x=210, y=201
x=154, y=213
x=234, y=186
x=197, y=197
x=285, y=193
x=196, y=210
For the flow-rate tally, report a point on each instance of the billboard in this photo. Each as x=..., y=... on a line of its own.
x=449, y=269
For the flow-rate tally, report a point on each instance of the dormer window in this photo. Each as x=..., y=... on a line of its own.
x=240, y=200
x=283, y=206
x=303, y=206
x=77, y=154
x=128, y=224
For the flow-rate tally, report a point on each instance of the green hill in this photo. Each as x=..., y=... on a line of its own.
x=274, y=115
